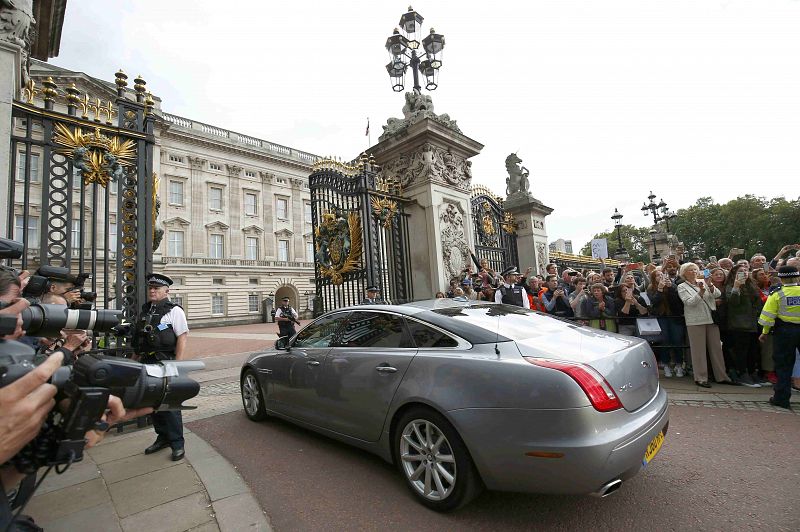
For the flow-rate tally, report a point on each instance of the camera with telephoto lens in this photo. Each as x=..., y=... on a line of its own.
x=87, y=385
x=48, y=320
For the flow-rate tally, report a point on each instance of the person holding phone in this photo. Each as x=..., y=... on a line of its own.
x=629, y=305
x=599, y=309
x=699, y=303
x=666, y=304
x=744, y=305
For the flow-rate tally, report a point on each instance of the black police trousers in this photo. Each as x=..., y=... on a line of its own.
x=784, y=350
x=169, y=427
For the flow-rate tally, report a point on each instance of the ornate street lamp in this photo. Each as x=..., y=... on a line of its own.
x=617, y=217
x=656, y=256
x=402, y=47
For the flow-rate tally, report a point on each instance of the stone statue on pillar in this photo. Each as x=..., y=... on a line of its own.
x=16, y=18
x=517, y=182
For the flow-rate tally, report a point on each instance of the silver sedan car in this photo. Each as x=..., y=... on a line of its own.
x=466, y=395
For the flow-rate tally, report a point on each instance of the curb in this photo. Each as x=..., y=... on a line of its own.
x=234, y=506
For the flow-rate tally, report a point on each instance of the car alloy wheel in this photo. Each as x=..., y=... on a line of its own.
x=252, y=398
x=434, y=460
x=427, y=460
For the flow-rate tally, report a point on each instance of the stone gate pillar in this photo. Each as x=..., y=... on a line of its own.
x=529, y=214
x=429, y=157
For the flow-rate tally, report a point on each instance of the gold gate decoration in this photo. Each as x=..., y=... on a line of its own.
x=99, y=158
x=339, y=245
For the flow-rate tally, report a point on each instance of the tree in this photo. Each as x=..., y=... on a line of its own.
x=753, y=223
x=634, y=239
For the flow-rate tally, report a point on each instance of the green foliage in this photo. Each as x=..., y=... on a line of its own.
x=634, y=239
x=756, y=224
x=753, y=223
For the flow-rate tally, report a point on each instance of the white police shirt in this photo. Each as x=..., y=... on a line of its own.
x=177, y=318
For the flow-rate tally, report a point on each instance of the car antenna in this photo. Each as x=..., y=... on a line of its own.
x=497, y=337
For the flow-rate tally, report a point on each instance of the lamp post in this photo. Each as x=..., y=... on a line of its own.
x=653, y=207
x=617, y=217
x=667, y=215
x=656, y=256
x=402, y=47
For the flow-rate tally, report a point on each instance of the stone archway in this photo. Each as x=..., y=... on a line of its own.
x=289, y=291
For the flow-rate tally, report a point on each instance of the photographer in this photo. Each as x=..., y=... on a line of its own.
x=555, y=299
x=629, y=305
x=161, y=334
x=599, y=306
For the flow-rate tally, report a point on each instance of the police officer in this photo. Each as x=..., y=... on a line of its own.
x=372, y=296
x=782, y=312
x=161, y=334
x=510, y=292
x=286, y=317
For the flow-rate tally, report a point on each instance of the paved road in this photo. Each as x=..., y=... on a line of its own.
x=720, y=469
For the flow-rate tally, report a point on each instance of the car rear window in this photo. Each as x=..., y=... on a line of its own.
x=491, y=322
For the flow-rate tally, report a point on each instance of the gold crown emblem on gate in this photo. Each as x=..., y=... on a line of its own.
x=96, y=139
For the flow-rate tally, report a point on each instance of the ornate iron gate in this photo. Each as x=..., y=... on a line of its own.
x=495, y=233
x=81, y=189
x=360, y=235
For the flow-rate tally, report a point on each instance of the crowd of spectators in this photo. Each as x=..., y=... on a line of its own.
x=707, y=309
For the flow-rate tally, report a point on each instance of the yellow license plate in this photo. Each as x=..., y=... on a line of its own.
x=653, y=447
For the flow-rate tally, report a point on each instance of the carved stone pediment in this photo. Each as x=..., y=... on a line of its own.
x=284, y=232
x=177, y=221
x=252, y=230
x=218, y=226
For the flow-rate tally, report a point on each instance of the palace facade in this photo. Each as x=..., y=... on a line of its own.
x=235, y=213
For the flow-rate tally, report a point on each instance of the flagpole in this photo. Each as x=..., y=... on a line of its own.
x=369, y=135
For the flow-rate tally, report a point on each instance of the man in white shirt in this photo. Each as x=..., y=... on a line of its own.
x=510, y=292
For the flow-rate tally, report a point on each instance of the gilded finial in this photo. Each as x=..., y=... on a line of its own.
x=50, y=92
x=122, y=78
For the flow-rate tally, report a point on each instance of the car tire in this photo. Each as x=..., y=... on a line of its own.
x=252, y=396
x=447, y=465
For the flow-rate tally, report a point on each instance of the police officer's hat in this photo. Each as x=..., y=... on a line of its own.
x=284, y=299
x=372, y=288
x=159, y=280
x=512, y=270
x=788, y=271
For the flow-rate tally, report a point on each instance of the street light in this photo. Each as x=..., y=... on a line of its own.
x=617, y=217
x=402, y=47
x=656, y=256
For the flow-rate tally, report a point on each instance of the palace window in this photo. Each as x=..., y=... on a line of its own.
x=176, y=158
x=178, y=300
x=307, y=212
x=283, y=250
x=249, y=173
x=251, y=248
x=217, y=305
x=215, y=166
x=215, y=199
x=310, y=251
x=175, y=244
x=282, y=208
x=112, y=236
x=253, y=302
x=176, y=192
x=250, y=203
x=218, y=280
x=254, y=280
x=33, y=230
x=216, y=246
x=34, y=167
x=75, y=237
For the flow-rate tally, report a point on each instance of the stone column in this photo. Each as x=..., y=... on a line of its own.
x=429, y=159
x=198, y=206
x=11, y=57
x=235, y=205
x=529, y=214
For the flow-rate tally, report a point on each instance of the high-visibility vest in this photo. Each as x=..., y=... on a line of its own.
x=783, y=305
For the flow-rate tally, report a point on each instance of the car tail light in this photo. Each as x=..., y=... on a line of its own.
x=593, y=384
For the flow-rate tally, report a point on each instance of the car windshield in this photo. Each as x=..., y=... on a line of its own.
x=509, y=321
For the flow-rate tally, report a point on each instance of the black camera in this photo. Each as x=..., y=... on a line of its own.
x=87, y=385
x=48, y=320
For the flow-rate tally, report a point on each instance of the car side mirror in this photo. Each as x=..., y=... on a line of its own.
x=282, y=343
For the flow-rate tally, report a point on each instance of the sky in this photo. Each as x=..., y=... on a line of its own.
x=602, y=101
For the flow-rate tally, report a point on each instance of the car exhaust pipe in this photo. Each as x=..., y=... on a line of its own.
x=607, y=489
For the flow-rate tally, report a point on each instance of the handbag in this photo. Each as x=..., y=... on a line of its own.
x=647, y=327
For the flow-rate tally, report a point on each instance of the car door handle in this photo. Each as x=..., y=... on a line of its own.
x=312, y=363
x=386, y=369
